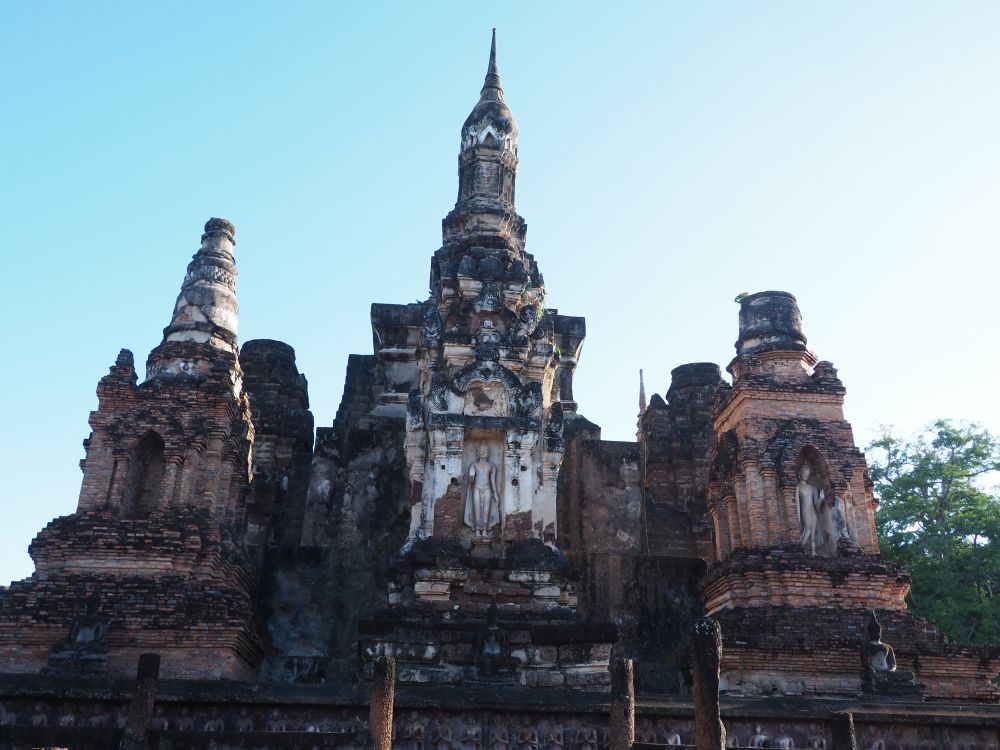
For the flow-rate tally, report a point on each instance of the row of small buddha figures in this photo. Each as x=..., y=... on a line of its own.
x=499, y=733
x=412, y=733
x=183, y=719
x=814, y=738
x=415, y=733
x=506, y=733
x=872, y=737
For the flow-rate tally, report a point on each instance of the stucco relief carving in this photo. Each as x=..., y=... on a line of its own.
x=527, y=322
x=531, y=400
x=414, y=411
x=554, y=429
x=489, y=298
x=488, y=338
x=488, y=399
x=210, y=273
x=440, y=390
x=430, y=332
x=486, y=371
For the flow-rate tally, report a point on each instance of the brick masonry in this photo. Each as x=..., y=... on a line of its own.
x=269, y=564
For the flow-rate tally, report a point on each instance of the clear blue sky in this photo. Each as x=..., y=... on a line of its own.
x=672, y=156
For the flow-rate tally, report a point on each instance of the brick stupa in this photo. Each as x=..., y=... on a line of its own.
x=154, y=542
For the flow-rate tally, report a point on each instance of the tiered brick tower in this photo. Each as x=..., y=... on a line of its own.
x=481, y=369
x=153, y=544
x=485, y=364
x=798, y=569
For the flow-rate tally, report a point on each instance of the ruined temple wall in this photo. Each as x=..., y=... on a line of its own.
x=651, y=598
x=159, y=581
x=600, y=497
x=604, y=525
x=789, y=577
x=188, y=716
x=318, y=586
x=677, y=440
x=201, y=629
x=283, y=442
x=659, y=601
x=317, y=594
x=819, y=650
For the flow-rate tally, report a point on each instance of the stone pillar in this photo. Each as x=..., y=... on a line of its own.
x=792, y=525
x=706, y=658
x=207, y=488
x=543, y=510
x=118, y=487
x=567, y=365
x=622, y=704
x=184, y=487
x=170, y=473
x=526, y=479
x=842, y=729
x=510, y=494
x=140, y=711
x=383, y=693
x=774, y=512
x=737, y=523
x=436, y=480
x=755, y=505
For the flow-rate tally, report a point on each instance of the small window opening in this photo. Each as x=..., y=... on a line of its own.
x=145, y=478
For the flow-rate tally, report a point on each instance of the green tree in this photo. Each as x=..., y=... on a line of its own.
x=939, y=520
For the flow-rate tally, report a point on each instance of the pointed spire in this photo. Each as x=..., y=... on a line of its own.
x=491, y=86
x=642, y=394
x=206, y=312
x=492, y=70
x=487, y=169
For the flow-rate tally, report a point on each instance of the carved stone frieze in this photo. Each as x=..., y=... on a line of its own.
x=485, y=370
x=430, y=333
x=527, y=322
x=554, y=429
x=489, y=296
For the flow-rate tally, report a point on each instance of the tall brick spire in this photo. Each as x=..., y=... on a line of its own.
x=206, y=310
x=206, y=313
x=487, y=170
x=642, y=394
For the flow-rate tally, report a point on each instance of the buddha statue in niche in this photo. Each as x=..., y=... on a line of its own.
x=810, y=501
x=482, y=503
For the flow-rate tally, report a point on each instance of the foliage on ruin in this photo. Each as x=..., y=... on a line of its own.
x=940, y=517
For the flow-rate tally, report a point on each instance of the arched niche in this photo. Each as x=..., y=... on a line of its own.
x=144, y=482
x=822, y=477
x=823, y=513
x=486, y=446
